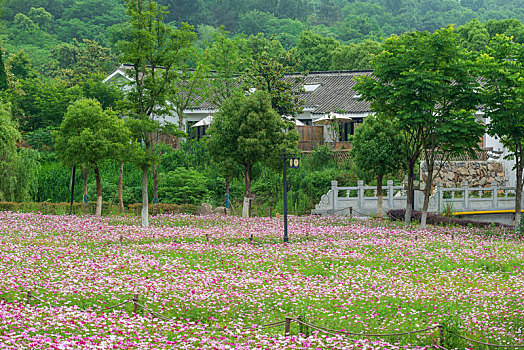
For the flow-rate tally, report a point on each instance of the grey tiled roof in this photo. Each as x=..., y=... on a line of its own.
x=335, y=92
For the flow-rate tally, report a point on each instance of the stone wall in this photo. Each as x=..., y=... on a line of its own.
x=476, y=173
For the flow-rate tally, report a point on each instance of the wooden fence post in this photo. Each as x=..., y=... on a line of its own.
x=440, y=335
x=135, y=303
x=287, y=328
x=28, y=300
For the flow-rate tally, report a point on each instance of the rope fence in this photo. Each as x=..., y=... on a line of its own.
x=437, y=343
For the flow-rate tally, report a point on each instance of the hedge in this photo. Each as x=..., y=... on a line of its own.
x=89, y=208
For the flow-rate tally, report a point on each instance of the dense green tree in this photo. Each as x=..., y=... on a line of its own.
x=9, y=136
x=423, y=81
x=266, y=71
x=473, y=35
x=90, y=135
x=248, y=130
x=76, y=61
x=3, y=74
x=24, y=23
x=154, y=52
x=225, y=58
x=355, y=56
x=20, y=65
x=41, y=17
x=376, y=148
x=327, y=12
x=502, y=69
x=315, y=52
x=41, y=103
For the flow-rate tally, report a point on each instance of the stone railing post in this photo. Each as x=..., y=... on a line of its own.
x=389, y=187
x=360, y=184
x=465, y=194
x=494, y=195
x=334, y=190
x=440, y=196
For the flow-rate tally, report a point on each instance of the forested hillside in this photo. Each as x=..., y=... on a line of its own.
x=40, y=26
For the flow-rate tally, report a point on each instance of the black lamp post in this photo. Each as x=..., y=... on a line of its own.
x=294, y=162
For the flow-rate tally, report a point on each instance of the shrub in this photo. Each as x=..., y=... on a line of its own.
x=164, y=208
x=182, y=186
x=58, y=208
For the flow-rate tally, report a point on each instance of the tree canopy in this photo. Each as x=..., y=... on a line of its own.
x=502, y=68
x=88, y=136
x=377, y=149
x=423, y=81
x=248, y=130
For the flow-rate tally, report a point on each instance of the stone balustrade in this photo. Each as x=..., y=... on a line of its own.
x=361, y=200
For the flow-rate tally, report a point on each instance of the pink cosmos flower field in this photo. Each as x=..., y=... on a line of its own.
x=215, y=280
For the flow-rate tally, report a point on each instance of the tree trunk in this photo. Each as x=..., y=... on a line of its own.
x=380, y=213
x=155, y=183
x=98, y=193
x=247, y=167
x=145, y=200
x=227, y=201
x=247, y=192
x=430, y=165
x=519, y=165
x=121, y=187
x=84, y=177
x=228, y=181
x=409, y=195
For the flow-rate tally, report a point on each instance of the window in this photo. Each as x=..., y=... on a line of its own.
x=311, y=87
x=195, y=133
x=306, y=121
x=347, y=129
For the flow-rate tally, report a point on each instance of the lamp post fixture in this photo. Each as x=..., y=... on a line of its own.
x=294, y=162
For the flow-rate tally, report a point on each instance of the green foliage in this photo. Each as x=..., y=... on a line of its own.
x=182, y=186
x=315, y=52
x=20, y=65
x=321, y=158
x=266, y=70
x=41, y=103
x=41, y=139
x=355, y=56
x=502, y=68
x=26, y=170
x=423, y=81
x=40, y=17
x=224, y=57
x=247, y=130
x=9, y=159
x=377, y=147
x=89, y=135
x=155, y=51
x=473, y=35
x=3, y=74
x=77, y=61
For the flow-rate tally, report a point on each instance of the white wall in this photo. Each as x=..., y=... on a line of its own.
x=508, y=165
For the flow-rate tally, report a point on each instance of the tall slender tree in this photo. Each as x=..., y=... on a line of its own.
x=502, y=69
x=377, y=150
x=153, y=51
